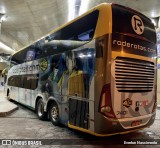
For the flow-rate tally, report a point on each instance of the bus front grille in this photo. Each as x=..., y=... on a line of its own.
x=133, y=75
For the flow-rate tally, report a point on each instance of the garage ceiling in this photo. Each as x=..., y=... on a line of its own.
x=29, y=20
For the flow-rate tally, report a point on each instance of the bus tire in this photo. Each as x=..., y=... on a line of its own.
x=40, y=110
x=54, y=113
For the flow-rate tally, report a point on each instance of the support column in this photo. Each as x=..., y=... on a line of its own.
x=158, y=66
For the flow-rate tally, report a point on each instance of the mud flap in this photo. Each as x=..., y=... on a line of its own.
x=79, y=113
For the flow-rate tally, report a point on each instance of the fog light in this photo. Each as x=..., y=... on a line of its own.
x=106, y=109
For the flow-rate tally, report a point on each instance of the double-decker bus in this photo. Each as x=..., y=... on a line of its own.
x=96, y=74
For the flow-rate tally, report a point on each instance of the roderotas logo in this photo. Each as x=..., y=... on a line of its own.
x=137, y=24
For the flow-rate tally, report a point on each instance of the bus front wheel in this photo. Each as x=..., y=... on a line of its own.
x=40, y=110
x=54, y=114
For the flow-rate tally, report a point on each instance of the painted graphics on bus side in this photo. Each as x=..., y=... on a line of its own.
x=69, y=73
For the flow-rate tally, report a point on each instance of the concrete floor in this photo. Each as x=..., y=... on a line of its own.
x=23, y=124
x=158, y=87
x=158, y=99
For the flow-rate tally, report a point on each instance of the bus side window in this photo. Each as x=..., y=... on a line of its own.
x=26, y=82
x=10, y=81
x=34, y=82
x=99, y=48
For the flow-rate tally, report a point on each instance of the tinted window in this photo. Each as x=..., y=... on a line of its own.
x=122, y=23
x=24, y=81
x=69, y=37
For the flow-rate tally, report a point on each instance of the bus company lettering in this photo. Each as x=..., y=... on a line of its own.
x=136, y=123
x=44, y=64
x=32, y=77
x=121, y=112
x=131, y=45
x=140, y=104
x=27, y=68
x=127, y=102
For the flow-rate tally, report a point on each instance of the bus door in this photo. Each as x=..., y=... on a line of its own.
x=20, y=90
x=13, y=90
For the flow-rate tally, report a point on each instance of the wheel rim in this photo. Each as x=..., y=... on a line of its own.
x=40, y=109
x=54, y=113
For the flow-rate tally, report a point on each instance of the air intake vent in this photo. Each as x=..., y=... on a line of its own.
x=133, y=75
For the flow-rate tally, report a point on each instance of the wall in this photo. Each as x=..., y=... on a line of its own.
x=158, y=70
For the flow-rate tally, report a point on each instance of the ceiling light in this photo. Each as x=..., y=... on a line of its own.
x=155, y=21
x=83, y=7
x=71, y=9
x=6, y=48
x=3, y=17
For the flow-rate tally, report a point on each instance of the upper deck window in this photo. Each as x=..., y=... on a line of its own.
x=130, y=22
